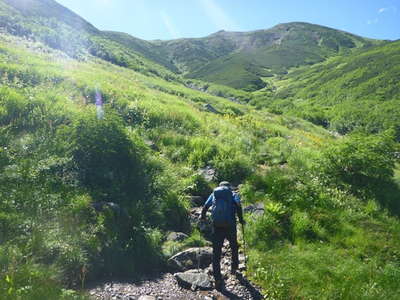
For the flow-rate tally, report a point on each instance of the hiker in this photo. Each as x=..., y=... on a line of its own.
x=225, y=205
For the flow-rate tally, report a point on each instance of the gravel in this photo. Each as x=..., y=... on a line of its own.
x=166, y=286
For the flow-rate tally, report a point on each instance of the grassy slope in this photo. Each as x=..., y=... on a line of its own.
x=145, y=48
x=241, y=59
x=314, y=241
x=344, y=93
x=238, y=60
x=275, y=51
x=54, y=91
x=57, y=27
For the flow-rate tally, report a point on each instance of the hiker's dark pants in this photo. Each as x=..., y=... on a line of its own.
x=219, y=236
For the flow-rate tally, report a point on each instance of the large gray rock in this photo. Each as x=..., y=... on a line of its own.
x=177, y=236
x=256, y=209
x=194, y=280
x=191, y=258
x=208, y=173
x=210, y=108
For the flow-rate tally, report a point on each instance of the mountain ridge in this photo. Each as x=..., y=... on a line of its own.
x=104, y=154
x=236, y=59
x=250, y=53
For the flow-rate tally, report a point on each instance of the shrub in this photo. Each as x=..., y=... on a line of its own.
x=278, y=150
x=266, y=231
x=234, y=170
x=197, y=185
x=202, y=152
x=107, y=162
x=359, y=162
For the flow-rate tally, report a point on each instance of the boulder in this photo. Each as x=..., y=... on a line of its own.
x=256, y=209
x=194, y=280
x=205, y=226
x=191, y=258
x=194, y=216
x=210, y=108
x=208, y=173
x=196, y=212
x=177, y=236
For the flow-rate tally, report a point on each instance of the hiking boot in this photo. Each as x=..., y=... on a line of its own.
x=234, y=271
x=219, y=284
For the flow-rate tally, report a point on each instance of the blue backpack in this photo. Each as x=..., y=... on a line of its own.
x=223, y=207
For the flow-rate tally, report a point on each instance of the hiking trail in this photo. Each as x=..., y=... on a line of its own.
x=193, y=279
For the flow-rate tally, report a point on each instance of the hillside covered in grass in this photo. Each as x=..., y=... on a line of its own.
x=241, y=59
x=58, y=159
x=235, y=59
x=50, y=23
x=354, y=92
x=86, y=196
x=265, y=53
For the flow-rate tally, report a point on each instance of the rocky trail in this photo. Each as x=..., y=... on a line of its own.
x=190, y=278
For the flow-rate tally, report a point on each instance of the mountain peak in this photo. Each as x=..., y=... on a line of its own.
x=50, y=9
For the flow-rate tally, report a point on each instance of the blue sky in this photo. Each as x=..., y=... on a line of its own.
x=168, y=19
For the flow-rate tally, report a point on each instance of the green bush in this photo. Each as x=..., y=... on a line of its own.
x=202, y=152
x=107, y=162
x=234, y=170
x=361, y=163
x=266, y=231
x=197, y=185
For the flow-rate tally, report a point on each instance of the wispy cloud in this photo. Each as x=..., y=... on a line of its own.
x=218, y=16
x=382, y=10
x=171, y=28
x=389, y=9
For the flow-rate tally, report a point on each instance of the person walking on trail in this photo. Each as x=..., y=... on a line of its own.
x=225, y=204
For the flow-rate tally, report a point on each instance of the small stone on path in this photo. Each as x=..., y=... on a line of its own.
x=147, y=298
x=193, y=279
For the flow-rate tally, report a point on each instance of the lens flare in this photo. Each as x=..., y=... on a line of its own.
x=99, y=105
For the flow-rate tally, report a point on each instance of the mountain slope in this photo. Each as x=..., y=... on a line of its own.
x=241, y=59
x=58, y=27
x=322, y=230
x=237, y=59
x=145, y=48
x=358, y=91
x=90, y=190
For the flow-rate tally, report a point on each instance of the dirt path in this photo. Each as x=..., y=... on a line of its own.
x=166, y=287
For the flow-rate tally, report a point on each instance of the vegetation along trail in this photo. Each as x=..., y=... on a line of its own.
x=110, y=145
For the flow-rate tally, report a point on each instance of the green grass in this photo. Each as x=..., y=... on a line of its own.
x=244, y=69
x=344, y=94
x=322, y=232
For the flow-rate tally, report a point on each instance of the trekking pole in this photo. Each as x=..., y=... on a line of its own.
x=244, y=247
